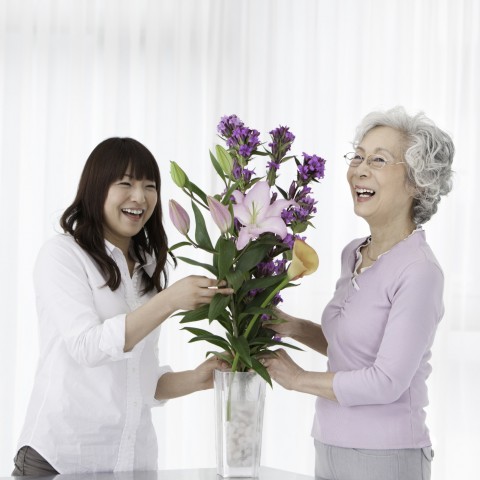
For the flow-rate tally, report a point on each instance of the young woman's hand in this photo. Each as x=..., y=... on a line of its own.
x=194, y=291
x=204, y=372
x=177, y=384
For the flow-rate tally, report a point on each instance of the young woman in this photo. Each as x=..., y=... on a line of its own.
x=101, y=297
x=378, y=329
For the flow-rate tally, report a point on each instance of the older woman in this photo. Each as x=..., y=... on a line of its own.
x=378, y=329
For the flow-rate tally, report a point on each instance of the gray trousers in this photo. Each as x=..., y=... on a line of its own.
x=335, y=463
x=28, y=462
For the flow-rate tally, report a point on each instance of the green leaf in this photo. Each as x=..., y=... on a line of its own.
x=178, y=245
x=206, y=266
x=260, y=283
x=227, y=358
x=201, y=233
x=252, y=256
x=217, y=306
x=235, y=279
x=283, y=192
x=198, y=331
x=261, y=370
x=232, y=188
x=193, y=188
x=213, y=339
x=226, y=255
x=240, y=345
x=217, y=166
x=253, y=311
x=225, y=321
x=270, y=342
x=299, y=227
x=200, y=313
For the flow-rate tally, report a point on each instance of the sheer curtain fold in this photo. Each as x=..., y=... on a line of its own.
x=75, y=72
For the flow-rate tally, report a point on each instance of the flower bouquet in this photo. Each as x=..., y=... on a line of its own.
x=259, y=250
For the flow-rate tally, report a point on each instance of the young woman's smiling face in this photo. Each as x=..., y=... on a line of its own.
x=128, y=206
x=381, y=195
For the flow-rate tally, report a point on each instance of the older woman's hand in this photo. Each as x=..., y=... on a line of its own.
x=288, y=325
x=283, y=369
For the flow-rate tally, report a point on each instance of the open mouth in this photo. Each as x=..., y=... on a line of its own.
x=364, y=192
x=133, y=213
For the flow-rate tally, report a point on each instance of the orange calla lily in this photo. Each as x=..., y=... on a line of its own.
x=304, y=260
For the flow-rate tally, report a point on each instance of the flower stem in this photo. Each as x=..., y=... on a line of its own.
x=254, y=318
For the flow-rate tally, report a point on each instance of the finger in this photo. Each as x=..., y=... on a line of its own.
x=212, y=291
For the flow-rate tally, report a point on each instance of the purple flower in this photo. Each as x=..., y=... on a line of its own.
x=273, y=165
x=313, y=168
x=282, y=140
x=289, y=240
x=288, y=216
x=302, y=194
x=272, y=267
x=277, y=299
x=239, y=172
x=227, y=125
x=245, y=150
x=244, y=140
x=292, y=190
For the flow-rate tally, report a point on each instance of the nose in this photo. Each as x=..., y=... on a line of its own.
x=138, y=194
x=363, y=169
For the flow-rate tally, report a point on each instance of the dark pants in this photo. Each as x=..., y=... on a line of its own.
x=29, y=462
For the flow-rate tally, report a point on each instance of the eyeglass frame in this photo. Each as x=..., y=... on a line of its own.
x=369, y=161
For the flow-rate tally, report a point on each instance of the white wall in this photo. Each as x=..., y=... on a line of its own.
x=74, y=72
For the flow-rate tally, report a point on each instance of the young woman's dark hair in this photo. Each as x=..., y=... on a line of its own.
x=84, y=218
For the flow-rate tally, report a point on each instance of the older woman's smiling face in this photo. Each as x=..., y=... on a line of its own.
x=381, y=196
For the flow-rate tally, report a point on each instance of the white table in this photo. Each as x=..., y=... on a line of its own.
x=266, y=473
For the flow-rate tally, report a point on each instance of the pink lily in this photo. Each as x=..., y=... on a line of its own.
x=257, y=215
x=179, y=217
x=220, y=214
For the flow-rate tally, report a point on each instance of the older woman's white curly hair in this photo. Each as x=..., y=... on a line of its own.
x=428, y=154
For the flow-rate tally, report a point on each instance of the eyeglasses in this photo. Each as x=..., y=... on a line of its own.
x=375, y=161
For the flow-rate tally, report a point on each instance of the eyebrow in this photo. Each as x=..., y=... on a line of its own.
x=379, y=149
x=131, y=176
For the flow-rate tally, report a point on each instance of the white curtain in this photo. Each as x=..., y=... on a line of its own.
x=74, y=72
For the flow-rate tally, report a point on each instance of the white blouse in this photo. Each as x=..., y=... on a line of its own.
x=89, y=410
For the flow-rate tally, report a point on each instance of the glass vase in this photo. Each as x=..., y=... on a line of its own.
x=239, y=402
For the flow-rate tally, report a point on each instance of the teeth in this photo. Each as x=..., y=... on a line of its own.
x=364, y=190
x=133, y=211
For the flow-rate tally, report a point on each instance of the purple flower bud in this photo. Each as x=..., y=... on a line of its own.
x=313, y=168
x=292, y=190
x=179, y=217
x=228, y=124
x=220, y=214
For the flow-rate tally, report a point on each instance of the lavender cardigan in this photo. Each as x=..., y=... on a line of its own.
x=380, y=326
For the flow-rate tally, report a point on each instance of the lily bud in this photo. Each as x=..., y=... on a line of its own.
x=224, y=159
x=220, y=214
x=304, y=260
x=179, y=177
x=179, y=217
